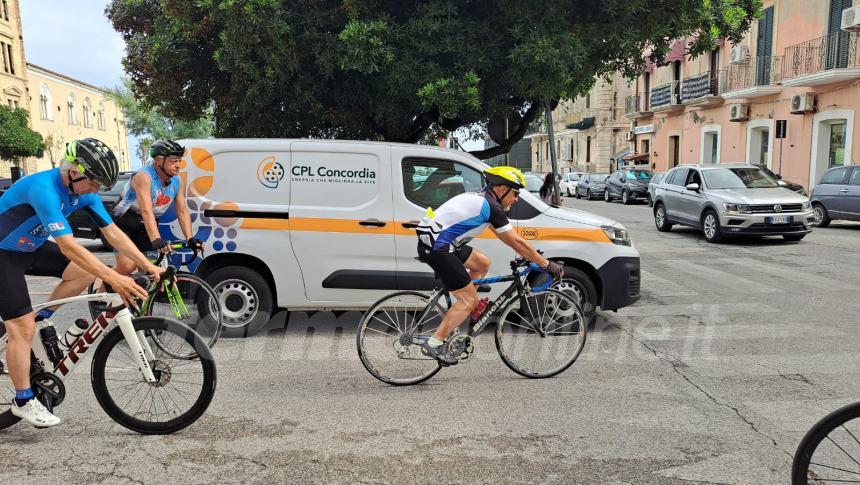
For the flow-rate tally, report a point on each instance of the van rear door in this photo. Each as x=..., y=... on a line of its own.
x=341, y=220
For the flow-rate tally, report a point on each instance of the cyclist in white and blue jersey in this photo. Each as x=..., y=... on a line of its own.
x=443, y=237
x=33, y=210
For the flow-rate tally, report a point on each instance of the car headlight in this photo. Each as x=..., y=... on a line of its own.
x=807, y=206
x=738, y=208
x=617, y=235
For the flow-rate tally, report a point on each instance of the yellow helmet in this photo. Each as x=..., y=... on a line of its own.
x=504, y=175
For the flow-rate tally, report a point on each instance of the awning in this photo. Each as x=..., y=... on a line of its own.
x=636, y=157
x=621, y=154
x=582, y=125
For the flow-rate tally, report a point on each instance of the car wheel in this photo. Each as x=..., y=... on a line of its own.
x=245, y=297
x=578, y=195
x=606, y=196
x=822, y=218
x=575, y=283
x=648, y=198
x=588, y=194
x=625, y=199
x=793, y=237
x=711, y=227
x=660, y=219
x=568, y=192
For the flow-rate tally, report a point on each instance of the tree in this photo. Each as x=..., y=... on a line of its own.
x=17, y=140
x=399, y=70
x=150, y=123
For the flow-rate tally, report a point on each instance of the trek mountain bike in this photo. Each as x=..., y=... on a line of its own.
x=830, y=451
x=186, y=297
x=540, y=331
x=137, y=383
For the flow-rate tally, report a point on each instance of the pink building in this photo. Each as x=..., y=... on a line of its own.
x=796, y=68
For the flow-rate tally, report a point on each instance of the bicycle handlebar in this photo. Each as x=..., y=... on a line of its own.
x=168, y=274
x=176, y=245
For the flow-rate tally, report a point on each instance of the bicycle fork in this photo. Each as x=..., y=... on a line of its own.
x=138, y=344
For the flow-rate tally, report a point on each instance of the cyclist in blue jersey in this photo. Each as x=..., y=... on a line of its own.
x=31, y=211
x=443, y=235
x=149, y=194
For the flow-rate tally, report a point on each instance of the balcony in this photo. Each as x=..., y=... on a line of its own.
x=829, y=59
x=666, y=98
x=754, y=78
x=636, y=107
x=701, y=90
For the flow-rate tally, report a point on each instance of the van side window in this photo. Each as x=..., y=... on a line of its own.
x=430, y=183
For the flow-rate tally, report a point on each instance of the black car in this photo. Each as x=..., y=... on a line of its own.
x=591, y=185
x=628, y=184
x=83, y=225
x=788, y=185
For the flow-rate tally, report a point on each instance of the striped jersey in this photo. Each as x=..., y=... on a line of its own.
x=460, y=219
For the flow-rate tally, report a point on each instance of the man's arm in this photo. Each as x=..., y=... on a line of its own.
x=141, y=183
x=522, y=247
x=123, y=285
x=121, y=242
x=182, y=213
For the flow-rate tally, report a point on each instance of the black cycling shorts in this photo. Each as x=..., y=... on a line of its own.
x=48, y=260
x=131, y=223
x=448, y=265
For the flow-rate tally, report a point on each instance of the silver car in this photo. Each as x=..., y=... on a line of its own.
x=727, y=199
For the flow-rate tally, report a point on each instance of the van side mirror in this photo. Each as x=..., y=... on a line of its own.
x=693, y=187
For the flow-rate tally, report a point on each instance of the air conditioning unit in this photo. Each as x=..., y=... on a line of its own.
x=802, y=103
x=629, y=136
x=739, y=112
x=739, y=54
x=851, y=19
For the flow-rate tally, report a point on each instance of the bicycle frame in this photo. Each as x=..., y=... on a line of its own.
x=123, y=317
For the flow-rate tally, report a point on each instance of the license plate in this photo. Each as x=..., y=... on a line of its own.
x=779, y=220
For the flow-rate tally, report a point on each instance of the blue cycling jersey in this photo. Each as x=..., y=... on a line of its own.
x=36, y=207
x=161, y=195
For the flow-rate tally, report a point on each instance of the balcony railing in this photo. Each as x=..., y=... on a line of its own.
x=757, y=71
x=834, y=51
x=665, y=95
x=636, y=103
x=699, y=86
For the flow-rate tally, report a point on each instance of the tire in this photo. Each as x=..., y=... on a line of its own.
x=245, y=298
x=575, y=283
x=711, y=227
x=607, y=197
x=625, y=199
x=822, y=218
x=568, y=191
x=558, y=313
x=793, y=237
x=837, y=457
x=578, y=196
x=198, y=309
x=164, y=365
x=661, y=220
x=588, y=194
x=382, y=335
x=648, y=199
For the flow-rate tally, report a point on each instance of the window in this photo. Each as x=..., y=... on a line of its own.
x=11, y=63
x=710, y=153
x=693, y=178
x=588, y=149
x=836, y=150
x=71, y=105
x=5, y=61
x=588, y=100
x=5, y=10
x=88, y=113
x=835, y=176
x=430, y=183
x=678, y=177
x=45, y=102
x=101, y=116
x=639, y=175
x=855, y=177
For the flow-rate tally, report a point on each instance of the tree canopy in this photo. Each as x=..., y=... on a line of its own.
x=398, y=70
x=17, y=140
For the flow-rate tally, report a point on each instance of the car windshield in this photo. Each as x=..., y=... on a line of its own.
x=598, y=177
x=738, y=178
x=533, y=184
x=639, y=175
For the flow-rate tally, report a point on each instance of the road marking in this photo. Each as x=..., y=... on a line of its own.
x=718, y=277
x=794, y=276
x=662, y=287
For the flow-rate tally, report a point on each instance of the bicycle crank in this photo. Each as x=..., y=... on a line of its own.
x=461, y=346
x=48, y=389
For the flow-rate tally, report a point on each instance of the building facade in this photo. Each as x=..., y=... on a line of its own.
x=13, y=80
x=796, y=70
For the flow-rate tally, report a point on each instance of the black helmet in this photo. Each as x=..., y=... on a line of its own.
x=166, y=148
x=94, y=160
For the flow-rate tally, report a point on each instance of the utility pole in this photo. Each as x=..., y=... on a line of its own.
x=556, y=196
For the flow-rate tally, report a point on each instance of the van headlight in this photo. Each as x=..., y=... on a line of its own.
x=807, y=206
x=617, y=235
x=737, y=208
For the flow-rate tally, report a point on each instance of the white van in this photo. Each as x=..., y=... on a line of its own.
x=322, y=224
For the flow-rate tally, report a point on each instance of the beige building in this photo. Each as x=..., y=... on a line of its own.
x=589, y=130
x=63, y=109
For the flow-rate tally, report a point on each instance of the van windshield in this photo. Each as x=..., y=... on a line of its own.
x=738, y=178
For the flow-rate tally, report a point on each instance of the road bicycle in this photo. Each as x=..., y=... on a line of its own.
x=540, y=331
x=830, y=451
x=186, y=297
x=138, y=384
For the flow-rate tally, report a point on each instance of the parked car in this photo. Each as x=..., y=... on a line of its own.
x=627, y=184
x=728, y=199
x=569, y=182
x=655, y=180
x=837, y=196
x=591, y=185
x=788, y=185
x=533, y=184
x=84, y=226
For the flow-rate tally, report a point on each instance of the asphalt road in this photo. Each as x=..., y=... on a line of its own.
x=732, y=353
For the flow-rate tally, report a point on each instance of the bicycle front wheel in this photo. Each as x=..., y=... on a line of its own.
x=544, y=338
x=830, y=451
x=190, y=300
x=181, y=392
x=386, y=334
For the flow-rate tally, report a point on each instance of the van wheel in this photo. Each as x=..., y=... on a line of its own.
x=245, y=297
x=575, y=283
x=822, y=218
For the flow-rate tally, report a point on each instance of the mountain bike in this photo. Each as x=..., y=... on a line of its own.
x=830, y=451
x=186, y=297
x=540, y=331
x=137, y=383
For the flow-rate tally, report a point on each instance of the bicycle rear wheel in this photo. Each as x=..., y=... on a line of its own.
x=183, y=388
x=830, y=451
x=191, y=301
x=385, y=336
x=543, y=339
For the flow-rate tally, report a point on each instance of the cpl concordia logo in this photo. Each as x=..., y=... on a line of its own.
x=270, y=172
